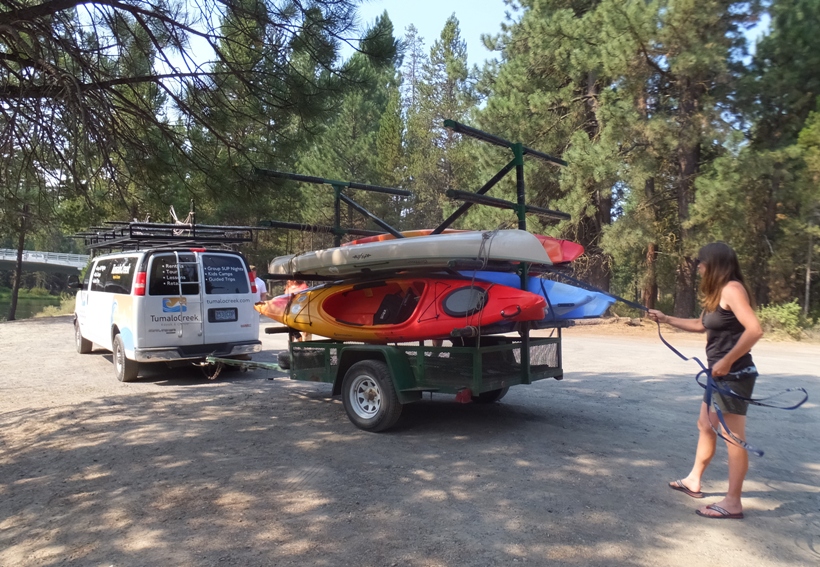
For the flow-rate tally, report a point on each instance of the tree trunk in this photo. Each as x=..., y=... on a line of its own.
x=649, y=294
x=597, y=270
x=650, y=287
x=807, y=295
x=18, y=271
x=688, y=162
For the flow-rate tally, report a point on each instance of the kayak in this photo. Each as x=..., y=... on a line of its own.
x=402, y=309
x=563, y=301
x=557, y=249
x=432, y=252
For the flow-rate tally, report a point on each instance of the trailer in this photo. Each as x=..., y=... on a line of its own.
x=376, y=381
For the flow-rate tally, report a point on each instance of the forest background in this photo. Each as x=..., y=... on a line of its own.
x=675, y=132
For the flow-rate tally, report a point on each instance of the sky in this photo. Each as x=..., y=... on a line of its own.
x=475, y=17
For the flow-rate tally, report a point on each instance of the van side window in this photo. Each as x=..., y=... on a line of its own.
x=120, y=275
x=99, y=275
x=224, y=274
x=165, y=274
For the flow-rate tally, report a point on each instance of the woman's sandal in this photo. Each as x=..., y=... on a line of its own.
x=678, y=485
x=723, y=513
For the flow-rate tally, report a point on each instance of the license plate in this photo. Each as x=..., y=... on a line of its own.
x=225, y=315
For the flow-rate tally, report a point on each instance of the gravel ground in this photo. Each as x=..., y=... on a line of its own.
x=253, y=469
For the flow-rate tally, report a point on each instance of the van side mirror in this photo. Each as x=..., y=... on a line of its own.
x=74, y=283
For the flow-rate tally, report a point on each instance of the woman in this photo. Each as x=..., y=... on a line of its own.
x=731, y=328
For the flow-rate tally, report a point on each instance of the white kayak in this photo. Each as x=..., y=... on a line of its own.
x=428, y=252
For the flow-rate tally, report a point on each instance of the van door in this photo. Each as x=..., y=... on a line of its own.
x=81, y=304
x=98, y=307
x=229, y=313
x=172, y=306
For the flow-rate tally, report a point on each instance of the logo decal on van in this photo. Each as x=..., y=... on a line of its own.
x=174, y=305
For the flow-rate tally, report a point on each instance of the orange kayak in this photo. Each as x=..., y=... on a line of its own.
x=558, y=250
x=402, y=309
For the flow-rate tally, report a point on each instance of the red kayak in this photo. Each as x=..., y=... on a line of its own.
x=402, y=309
x=559, y=251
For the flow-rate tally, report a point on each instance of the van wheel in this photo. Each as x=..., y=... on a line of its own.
x=125, y=368
x=83, y=345
x=491, y=396
x=369, y=397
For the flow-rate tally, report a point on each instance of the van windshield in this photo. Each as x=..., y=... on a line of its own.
x=224, y=274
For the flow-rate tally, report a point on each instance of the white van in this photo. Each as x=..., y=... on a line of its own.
x=167, y=305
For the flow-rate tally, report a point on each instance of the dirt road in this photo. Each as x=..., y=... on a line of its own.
x=248, y=470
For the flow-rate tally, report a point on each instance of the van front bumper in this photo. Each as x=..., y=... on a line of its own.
x=196, y=352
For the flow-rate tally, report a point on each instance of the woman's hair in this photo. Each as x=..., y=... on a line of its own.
x=722, y=267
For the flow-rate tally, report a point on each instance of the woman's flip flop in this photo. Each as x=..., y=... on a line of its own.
x=678, y=485
x=724, y=514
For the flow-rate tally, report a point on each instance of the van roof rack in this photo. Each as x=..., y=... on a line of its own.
x=147, y=235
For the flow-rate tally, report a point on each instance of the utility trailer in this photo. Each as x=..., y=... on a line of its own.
x=375, y=381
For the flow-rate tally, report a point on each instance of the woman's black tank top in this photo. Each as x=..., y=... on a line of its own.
x=723, y=330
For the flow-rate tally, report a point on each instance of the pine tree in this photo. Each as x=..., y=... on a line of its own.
x=438, y=159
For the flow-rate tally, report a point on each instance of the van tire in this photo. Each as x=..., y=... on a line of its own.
x=125, y=368
x=84, y=346
x=369, y=396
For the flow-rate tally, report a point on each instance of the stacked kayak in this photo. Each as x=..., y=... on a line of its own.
x=403, y=309
x=432, y=252
x=563, y=301
x=390, y=289
x=559, y=251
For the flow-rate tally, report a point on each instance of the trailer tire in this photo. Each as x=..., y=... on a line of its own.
x=369, y=396
x=125, y=368
x=491, y=396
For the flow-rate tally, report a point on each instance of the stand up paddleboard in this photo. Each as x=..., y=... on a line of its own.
x=558, y=250
x=426, y=252
x=402, y=309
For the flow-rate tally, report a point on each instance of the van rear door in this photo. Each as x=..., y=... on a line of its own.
x=228, y=311
x=172, y=308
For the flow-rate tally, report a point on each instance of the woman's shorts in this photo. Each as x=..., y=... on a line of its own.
x=741, y=383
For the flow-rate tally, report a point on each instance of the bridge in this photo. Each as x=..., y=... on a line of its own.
x=34, y=261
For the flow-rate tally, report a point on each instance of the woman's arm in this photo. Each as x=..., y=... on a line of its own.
x=734, y=298
x=691, y=325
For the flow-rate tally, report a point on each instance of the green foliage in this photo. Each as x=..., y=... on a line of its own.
x=438, y=159
x=35, y=292
x=66, y=307
x=784, y=318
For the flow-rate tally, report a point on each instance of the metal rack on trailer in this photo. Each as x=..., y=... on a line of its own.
x=376, y=380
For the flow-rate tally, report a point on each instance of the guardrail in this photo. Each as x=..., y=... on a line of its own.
x=56, y=258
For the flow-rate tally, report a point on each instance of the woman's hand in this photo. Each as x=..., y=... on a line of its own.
x=721, y=368
x=658, y=316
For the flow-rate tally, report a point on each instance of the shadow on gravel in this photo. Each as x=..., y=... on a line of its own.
x=248, y=471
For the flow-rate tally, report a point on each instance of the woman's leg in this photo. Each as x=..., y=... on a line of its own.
x=738, y=466
x=707, y=440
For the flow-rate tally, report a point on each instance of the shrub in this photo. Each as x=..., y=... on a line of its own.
x=785, y=318
x=36, y=292
x=66, y=307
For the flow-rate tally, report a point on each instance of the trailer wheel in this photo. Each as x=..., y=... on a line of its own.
x=491, y=396
x=369, y=397
x=83, y=345
x=125, y=368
